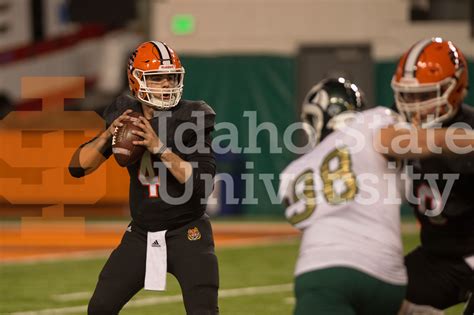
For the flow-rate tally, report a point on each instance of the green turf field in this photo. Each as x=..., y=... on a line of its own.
x=254, y=280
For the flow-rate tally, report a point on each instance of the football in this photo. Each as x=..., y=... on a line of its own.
x=125, y=152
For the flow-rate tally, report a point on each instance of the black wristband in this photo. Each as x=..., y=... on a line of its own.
x=160, y=151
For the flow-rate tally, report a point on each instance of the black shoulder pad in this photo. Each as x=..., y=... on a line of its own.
x=118, y=106
x=185, y=109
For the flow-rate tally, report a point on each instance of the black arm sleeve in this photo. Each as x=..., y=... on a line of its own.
x=204, y=168
x=111, y=112
x=75, y=168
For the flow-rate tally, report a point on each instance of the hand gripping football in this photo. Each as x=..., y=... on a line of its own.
x=125, y=152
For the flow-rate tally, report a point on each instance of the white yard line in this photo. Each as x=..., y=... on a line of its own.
x=75, y=296
x=225, y=293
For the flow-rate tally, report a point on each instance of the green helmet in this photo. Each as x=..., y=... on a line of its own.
x=328, y=105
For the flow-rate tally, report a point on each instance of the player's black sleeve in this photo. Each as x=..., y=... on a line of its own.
x=204, y=168
x=111, y=112
x=462, y=163
x=75, y=168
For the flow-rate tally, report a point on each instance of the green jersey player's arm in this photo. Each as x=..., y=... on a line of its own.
x=405, y=141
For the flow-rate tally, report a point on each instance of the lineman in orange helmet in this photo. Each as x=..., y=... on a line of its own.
x=430, y=85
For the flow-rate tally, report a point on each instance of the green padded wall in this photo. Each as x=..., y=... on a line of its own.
x=234, y=84
x=267, y=85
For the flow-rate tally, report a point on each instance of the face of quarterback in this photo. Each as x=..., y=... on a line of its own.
x=162, y=81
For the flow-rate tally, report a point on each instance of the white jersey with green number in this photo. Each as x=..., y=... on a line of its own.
x=345, y=197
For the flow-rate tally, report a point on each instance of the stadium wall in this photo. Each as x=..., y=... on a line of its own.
x=267, y=85
x=282, y=26
x=246, y=50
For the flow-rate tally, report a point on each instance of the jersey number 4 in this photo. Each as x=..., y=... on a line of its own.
x=147, y=175
x=336, y=171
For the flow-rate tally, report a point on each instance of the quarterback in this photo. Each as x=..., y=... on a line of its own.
x=162, y=237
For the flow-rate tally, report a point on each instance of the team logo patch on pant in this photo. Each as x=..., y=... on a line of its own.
x=194, y=234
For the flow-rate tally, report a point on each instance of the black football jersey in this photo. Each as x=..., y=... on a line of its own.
x=149, y=209
x=452, y=231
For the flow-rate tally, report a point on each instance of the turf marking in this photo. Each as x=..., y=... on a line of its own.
x=224, y=293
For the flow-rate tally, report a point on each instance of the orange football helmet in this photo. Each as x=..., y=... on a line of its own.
x=154, y=62
x=430, y=82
